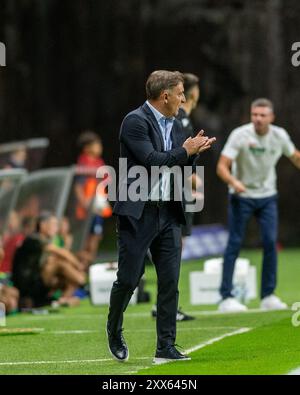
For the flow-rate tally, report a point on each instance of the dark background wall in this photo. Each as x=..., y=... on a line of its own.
x=73, y=64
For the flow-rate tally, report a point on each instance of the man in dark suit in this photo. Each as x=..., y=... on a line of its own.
x=151, y=136
x=192, y=94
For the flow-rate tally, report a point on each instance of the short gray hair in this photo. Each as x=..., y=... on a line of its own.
x=161, y=80
x=263, y=102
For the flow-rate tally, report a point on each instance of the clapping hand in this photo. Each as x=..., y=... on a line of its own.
x=198, y=144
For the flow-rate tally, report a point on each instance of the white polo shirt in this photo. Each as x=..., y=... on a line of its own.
x=255, y=157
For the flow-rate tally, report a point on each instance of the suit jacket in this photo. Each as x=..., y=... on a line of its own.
x=142, y=144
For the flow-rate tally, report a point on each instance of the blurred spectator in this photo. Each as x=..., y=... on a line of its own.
x=40, y=268
x=64, y=237
x=192, y=94
x=10, y=245
x=13, y=224
x=8, y=295
x=11, y=240
x=28, y=225
x=14, y=240
x=90, y=158
x=1, y=252
x=31, y=207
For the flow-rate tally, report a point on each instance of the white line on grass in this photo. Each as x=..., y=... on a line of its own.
x=59, y=316
x=199, y=346
x=150, y=330
x=217, y=312
x=295, y=372
x=52, y=362
x=216, y=339
x=142, y=315
x=212, y=312
x=72, y=332
x=15, y=363
x=207, y=343
x=182, y=329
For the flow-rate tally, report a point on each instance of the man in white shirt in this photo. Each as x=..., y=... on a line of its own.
x=247, y=165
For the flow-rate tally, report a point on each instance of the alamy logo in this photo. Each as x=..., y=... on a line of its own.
x=138, y=183
x=296, y=56
x=296, y=315
x=2, y=54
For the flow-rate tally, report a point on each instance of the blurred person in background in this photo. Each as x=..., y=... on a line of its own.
x=9, y=295
x=31, y=207
x=1, y=250
x=13, y=224
x=12, y=239
x=247, y=165
x=15, y=238
x=192, y=95
x=40, y=268
x=64, y=237
x=90, y=159
x=17, y=158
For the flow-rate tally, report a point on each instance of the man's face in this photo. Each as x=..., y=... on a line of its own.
x=261, y=117
x=50, y=227
x=95, y=149
x=173, y=99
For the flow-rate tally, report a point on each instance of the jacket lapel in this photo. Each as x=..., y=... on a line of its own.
x=175, y=136
x=154, y=123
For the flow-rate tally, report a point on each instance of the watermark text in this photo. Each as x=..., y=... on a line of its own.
x=2, y=54
x=138, y=183
x=296, y=315
x=296, y=54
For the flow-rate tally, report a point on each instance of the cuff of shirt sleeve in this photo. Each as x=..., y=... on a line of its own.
x=181, y=155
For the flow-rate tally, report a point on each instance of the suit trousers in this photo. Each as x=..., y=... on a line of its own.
x=159, y=231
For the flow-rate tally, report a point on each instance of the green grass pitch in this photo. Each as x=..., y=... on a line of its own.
x=73, y=340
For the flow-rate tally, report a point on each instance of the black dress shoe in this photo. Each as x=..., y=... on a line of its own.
x=169, y=354
x=117, y=346
x=180, y=316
